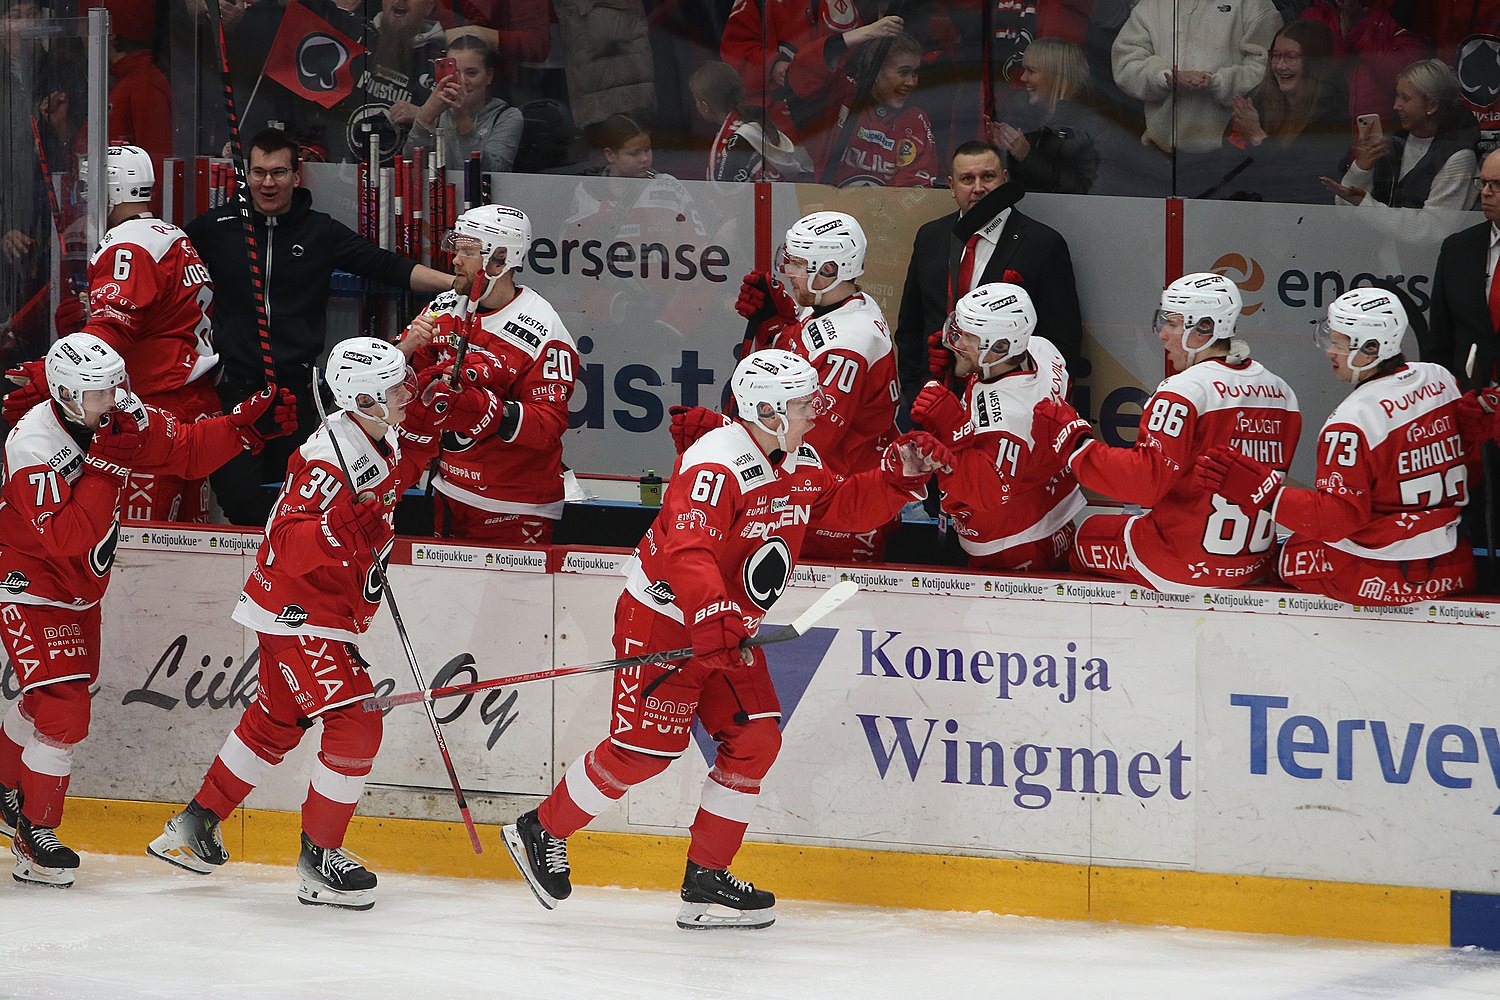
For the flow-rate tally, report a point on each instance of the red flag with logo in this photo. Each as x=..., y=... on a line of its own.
x=312, y=58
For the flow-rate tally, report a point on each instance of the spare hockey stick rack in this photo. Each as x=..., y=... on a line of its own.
x=406, y=646
x=831, y=599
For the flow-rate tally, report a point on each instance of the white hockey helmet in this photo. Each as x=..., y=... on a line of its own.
x=1374, y=321
x=369, y=368
x=1000, y=316
x=1208, y=303
x=128, y=174
x=79, y=363
x=495, y=227
x=826, y=238
x=767, y=382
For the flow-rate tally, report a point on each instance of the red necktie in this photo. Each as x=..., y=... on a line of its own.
x=966, y=272
x=1495, y=299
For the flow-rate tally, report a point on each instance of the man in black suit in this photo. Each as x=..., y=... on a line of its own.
x=987, y=239
x=1465, y=318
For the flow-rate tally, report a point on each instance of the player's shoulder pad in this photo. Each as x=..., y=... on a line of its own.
x=39, y=438
x=729, y=448
x=1376, y=406
x=856, y=326
x=366, y=465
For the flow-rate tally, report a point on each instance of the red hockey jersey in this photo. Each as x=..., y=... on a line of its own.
x=58, y=528
x=151, y=299
x=1192, y=538
x=850, y=346
x=732, y=523
x=521, y=474
x=1392, y=474
x=889, y=148
x=1004, y=491
x=296, y=588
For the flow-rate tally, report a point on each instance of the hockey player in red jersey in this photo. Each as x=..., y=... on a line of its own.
x=500, y=478
x=840, y=330
x=1011, y=501
x=66, y=464
x=150, y=298
x=714, y=562
x=1192, y=537
x=312, y=594
x=1380, y=525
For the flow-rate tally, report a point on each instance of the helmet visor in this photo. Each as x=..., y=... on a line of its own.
x=462, y=245
x=810, y=407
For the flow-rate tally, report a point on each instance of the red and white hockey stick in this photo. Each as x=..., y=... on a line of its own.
x=831, y=599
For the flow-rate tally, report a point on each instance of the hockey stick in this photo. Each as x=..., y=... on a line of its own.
x=468, y=310
x=247, y=221
x=406, y=647
x=1486, y=464
x=831, y=599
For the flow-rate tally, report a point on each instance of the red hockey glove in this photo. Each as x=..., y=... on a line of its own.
x=1058, y=427
x=911, y=459
x=940, y=412
x=689, y=423
x=70, y=315
x=422, y=422
x=486, y=372
x=717, y=638
x=471, y=410
x=766, y=305
x=270, y=413
x=347, y=529
x=1476, y=416
x=1238, y=478
x=117, y=444
x=939, y=358
x=30, y=379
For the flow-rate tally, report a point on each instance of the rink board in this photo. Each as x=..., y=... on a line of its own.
x=1254, y=760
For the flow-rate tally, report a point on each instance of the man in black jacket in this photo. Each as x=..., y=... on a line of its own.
x=986, y=240
x=299, y=250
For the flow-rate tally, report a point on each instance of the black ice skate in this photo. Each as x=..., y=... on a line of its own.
x=331, y=877
x=713, y=898
x=41, y=859
x=10, y=811
x=191, y=840
x=541, y=857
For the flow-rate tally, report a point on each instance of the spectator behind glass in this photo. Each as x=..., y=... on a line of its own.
x=1187, y=65
x=626, y=146
x=1429, y=162
x=747, y=147
x=1053, y=142
x=464, y=118
x=890, y=142
x=1293, y=127
x=140, y=101
x=1371, y=48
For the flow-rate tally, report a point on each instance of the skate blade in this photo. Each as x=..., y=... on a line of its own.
x=178, y=855
x=29, y=872
x=313, y=894
x=517, y=851
x=716, y=916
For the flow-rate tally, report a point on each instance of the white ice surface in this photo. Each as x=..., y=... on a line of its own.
x=132, y=928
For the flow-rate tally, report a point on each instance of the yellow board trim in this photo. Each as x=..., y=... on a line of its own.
x=838, y=875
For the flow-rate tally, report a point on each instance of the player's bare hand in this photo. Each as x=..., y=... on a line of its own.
x=418, y=335
x=1352, y=195
x=887, y=27
x=16, y=244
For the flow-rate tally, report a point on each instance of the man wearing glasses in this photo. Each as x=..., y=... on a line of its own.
x=1466, y=318
x=299, y=250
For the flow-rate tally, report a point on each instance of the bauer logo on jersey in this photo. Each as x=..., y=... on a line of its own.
x=661, y=592
x=292, y=616
x=767, y=573
x=15, y=582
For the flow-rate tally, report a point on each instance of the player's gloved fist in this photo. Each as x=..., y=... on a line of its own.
x=940, y=412
x=1476, y=416
x=939, y=358
x=1238, y=478
x=716, y=640
x=30, y=380
x=470, y=410
x=70, y=315
x=689, y=423
x=117, y=444
x=349, y=528
x=762, y=299
x=911, y=459
x=422, y=422
x=270, y=413
x=486, y=372
x=1056, y=425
